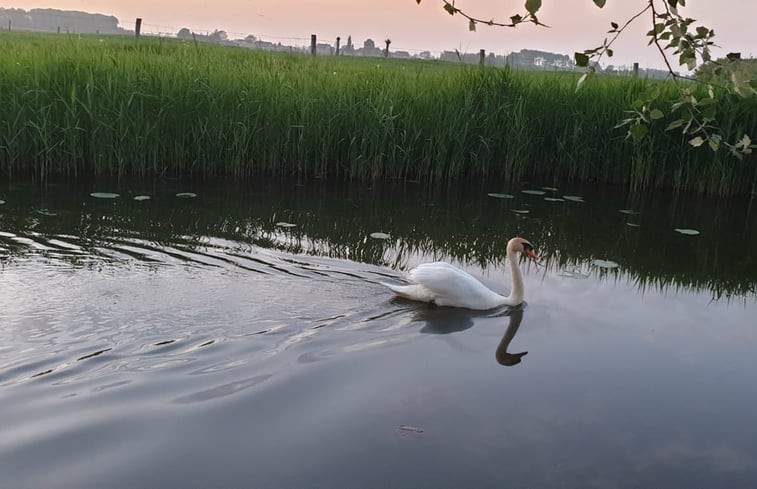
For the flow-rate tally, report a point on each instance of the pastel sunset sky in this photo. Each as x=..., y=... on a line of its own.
x=575, y=25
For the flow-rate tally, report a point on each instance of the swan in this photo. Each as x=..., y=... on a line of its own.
x=445, y=285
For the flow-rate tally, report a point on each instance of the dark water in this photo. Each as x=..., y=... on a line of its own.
x=193, y=343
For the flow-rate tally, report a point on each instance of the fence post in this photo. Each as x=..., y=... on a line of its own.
x=635, y=70
x=338, y=39
x=482, y=57
x=138, y=27
x=312, y=44
x=58, y=29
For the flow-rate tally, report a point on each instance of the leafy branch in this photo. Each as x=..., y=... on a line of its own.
x=691, y=43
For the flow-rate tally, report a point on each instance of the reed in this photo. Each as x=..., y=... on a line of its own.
x=91, y=105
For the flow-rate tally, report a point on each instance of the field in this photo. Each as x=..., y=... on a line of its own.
x=79, y=106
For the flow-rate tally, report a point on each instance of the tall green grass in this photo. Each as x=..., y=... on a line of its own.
x=90, y=105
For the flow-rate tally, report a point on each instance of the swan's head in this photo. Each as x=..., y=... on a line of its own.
x=521, y=245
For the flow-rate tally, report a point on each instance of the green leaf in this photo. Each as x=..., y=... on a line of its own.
x=581, y=81
x=516, y=19
x=142, y=197
x=283, y=224
x=521, y=211
x=599, y=3
x=638, y=131
x=472, y=25
x=104, y=195
x=688, y=232
x=696, y=142
x=656, y=114
x=573, y=198
x=630, y=212
x=607, y=264
x=614, y=25
x=2, y=202
x=450, y=8
x=186, y=195
x=379, y=236
x=533, y=192
x=501, y=196
x=533, y=6
x=554, y=199
x=582, y=60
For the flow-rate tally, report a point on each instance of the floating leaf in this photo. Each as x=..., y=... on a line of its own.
x=379, y=235
x=282, y=224
x=45, y=212
x=630, y=212
x=142, y=197
x=2, y=202
x=575, y=273
x=573, y=198
x=104, y=195
x=633, y=225
x=186, y=195
x=549, y=189
x=533, y=192
x=554, y=199
x=501, y=196
x=605, y=264
x=689, y=232
x=521, y=211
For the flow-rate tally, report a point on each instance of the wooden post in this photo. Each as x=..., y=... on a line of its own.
x=482, y=57
x=635, y=70
x=338, y=39
x=312, y=44
x=58, y=29
x=138, y=27
x=386, y=52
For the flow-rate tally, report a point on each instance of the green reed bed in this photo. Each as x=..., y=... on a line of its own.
x=84, y=105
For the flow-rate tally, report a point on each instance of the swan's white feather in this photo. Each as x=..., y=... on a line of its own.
x=446, y=285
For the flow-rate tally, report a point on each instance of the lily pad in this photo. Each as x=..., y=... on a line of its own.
x=554, y=199
x=501, y=196
x=283, y=224
x=379, y=235
x=573, y=198
x=104, y=195
x=533, y=192
x=605, y=264
x=186, y=195
x=142, y=197
x=630, y=212
x=549, y=189
x=689, y=232
x=632, y=224
x=575, y=273
x=521, y=211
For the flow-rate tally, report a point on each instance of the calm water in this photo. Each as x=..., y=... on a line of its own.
x=195, y=343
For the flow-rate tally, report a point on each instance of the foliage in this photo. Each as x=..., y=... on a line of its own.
x=689, y=42
x=80, y=105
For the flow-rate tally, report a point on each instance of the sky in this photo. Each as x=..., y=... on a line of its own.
x=575, y=25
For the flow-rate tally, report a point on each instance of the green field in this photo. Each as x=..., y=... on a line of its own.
x=90, y=105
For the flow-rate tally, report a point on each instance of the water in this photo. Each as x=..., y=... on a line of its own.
x=195, y=343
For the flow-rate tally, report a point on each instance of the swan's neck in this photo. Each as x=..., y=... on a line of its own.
x=516, y=293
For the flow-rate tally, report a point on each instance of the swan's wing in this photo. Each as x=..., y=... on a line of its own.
x=452, y=286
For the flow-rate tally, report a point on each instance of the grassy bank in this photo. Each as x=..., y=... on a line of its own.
x=76, y=105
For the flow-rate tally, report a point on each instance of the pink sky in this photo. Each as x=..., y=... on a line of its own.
x=575, y=24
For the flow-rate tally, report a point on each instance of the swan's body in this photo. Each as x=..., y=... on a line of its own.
x=445, y=285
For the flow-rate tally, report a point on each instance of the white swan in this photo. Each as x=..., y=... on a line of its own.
x=446, y=285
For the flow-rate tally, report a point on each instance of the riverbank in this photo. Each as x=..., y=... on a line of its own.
x=94, y=105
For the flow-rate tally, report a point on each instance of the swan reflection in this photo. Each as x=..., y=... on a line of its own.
x=443, y=320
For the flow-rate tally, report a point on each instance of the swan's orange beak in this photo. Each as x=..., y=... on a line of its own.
x=530, y=253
